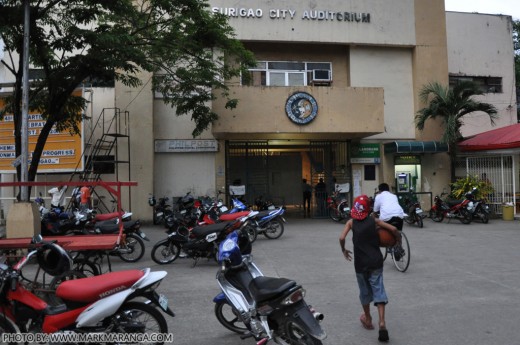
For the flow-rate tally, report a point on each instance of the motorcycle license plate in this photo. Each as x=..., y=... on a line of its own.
x=163, y=302
x=223, y=209
x=418, y=210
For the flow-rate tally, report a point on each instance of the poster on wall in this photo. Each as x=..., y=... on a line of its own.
x=63, y=152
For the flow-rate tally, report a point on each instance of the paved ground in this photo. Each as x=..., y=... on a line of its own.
x=462, y=287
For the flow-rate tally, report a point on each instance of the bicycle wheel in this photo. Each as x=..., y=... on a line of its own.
x=401, y=254
x=87, y=267
x=384, y=251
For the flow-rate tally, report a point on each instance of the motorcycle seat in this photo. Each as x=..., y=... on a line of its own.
x=94, y=288
x=111, y=227
x=107, y=216
x=232, y=216
x=264, y=288
x=202, y=231
x=452, y=203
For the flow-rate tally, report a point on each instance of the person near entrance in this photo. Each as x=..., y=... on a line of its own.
x=307, y=194
x=387, y=205
x=368, y=261
x=320, y=192
x=57, y=196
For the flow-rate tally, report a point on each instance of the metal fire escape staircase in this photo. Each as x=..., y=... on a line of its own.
x=105, y=150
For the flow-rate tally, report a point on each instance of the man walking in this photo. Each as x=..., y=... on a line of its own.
x=307, y=194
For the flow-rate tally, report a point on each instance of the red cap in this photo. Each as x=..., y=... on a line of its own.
x=361, y=207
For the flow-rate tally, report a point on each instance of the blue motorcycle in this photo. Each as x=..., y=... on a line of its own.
x=269, y=222
x=266, y=308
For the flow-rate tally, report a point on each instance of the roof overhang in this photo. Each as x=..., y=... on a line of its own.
x=415, y=147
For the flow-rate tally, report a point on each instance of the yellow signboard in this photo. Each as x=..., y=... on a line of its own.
x=61, y=153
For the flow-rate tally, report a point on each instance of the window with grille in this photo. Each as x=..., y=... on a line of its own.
x=289, y=73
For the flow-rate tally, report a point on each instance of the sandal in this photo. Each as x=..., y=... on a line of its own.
x=364, y=323
x=383, y=335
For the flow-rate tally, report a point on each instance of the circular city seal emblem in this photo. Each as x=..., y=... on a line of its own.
x=301, y=108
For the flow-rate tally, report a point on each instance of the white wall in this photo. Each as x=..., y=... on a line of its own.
x=481, y=45
x=390, y=68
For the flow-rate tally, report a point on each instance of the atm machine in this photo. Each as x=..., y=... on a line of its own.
x=403, y=182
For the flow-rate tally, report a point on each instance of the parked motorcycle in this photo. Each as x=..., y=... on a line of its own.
x=339, y=208
x=265, y=308
x=414, y=213
x=109, y=303
x=451, y=209
x=199, y=242
x=269, y=223
x=262, y=205
x=161, y=210
x=479, y=209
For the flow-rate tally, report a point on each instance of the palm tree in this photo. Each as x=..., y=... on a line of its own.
x=451, y=104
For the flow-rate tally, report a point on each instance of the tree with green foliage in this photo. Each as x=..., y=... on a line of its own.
x=451, y=105
x=190, y=51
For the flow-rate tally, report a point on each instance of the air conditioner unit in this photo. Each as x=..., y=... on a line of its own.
x=320, y=75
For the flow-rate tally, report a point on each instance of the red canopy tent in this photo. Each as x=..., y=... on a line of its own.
x=501, y=138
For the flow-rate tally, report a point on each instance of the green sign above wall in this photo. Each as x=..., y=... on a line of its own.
x=365, y=153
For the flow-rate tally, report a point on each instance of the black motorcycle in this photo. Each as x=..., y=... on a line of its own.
x=413, y=212
x=199, y=242
x=477, y=207
x=161, y=210
x=266, y=308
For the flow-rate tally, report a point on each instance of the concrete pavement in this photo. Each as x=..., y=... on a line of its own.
x=462, y=286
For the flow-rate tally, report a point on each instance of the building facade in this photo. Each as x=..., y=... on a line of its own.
x=333, y=96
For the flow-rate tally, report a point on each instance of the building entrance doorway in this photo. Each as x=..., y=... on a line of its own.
x=274, y=170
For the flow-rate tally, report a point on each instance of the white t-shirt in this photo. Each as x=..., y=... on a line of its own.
x=57, y=195
x=388, y=206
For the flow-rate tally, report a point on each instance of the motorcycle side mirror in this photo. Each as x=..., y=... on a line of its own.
x=37, y=239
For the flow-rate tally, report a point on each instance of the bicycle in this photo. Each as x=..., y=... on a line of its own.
x=400, y=253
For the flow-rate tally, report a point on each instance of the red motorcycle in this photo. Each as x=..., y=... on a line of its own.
x=451, y=209
x=338, y=207
x=109, y=303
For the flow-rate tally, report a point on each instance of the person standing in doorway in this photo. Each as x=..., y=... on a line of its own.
x=57, y=196
x=85, y=198
x=320, y=192
x=368, y=261
x=307, y=194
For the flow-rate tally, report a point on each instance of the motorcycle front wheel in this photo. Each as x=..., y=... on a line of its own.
x=436, y=216
x=334, y=214
x=274, y=229
x=165, y=252
x=297, y=335
x=138, y=317
x=251, y=233
x=466, y=216
x=7, y=327
x=482, y=216
x=228, y=316
x=132, y=250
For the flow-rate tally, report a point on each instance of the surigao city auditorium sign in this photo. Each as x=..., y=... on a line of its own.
x=277, y=13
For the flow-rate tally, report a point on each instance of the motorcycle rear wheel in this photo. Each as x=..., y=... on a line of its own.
x=229, y=317
x=297, y=335
x=274, y=229
x=133, y=250
x=165, y=252
x=138, y=317
x=419, y=220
